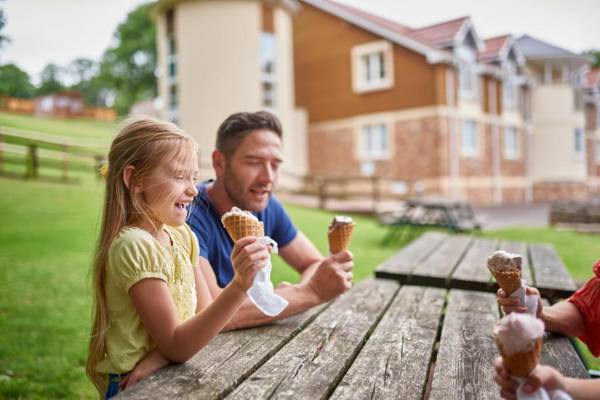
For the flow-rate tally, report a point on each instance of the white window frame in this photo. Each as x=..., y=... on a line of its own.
x=268, y=77
x=375, y=141
x=510, y=92
x=579, y=143
x=512, y=148
x=467, y=73
x=371, y=51
x=469, y=148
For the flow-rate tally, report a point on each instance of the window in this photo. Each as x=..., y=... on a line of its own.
x=467, y=72
x=268, y=69
x=375, y=142
x=372, y=67
x=173, y=113
x=469, y=142
x=511, y=143
x=172, y=91
x=510, y=92
x=579, y=143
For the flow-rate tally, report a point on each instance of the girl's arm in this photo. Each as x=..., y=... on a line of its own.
x=155, y=360
x=180, y=341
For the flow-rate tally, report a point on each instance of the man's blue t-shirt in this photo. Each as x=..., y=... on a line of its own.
x=215, y=243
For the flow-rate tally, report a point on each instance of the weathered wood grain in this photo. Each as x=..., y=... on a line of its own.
x=401, y=265
x=311, y=364
x=223, y=363
x=436, y=269
x=394, y=362
x=550, y=275
x=463, y=369
x=472, y=272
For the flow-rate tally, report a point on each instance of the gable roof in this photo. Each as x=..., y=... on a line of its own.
x=429, y=42
x=536, y=49
x=498, y=48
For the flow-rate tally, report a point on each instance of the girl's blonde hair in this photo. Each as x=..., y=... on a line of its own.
x=143, y=143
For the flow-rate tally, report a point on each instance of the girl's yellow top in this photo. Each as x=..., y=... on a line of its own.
x=135, y=255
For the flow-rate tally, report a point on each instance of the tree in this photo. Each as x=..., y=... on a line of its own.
x=81, y=70
x=128, y=67
x=15, y=82
x=595, y=54
x=3, y=38
x=50, y=80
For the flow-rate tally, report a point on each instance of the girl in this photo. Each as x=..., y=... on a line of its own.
x=151, y=302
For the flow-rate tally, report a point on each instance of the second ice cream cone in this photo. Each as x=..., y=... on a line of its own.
x=240, y=224
x=521, y=364
x=339, y=234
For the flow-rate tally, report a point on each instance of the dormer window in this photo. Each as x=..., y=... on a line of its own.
x=510, y=92
x=372, y=67
x=467, y=72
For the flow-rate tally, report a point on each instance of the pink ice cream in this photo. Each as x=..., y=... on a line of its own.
x=518, y=332
x=501, y=261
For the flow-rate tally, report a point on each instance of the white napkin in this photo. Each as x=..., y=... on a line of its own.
x=540, y=394
x=262, y=293
x=528, y=300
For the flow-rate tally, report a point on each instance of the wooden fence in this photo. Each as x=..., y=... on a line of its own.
x=34, y=150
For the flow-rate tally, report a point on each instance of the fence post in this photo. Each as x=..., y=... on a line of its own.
x=65, y=162
x=321, y=192
x=32, y=162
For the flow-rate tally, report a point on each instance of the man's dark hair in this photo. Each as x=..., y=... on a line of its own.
x=237, y=126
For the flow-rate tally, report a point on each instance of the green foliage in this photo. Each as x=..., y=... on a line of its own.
x=15, y=82
x=3, y=38
x=128, y=66
x=50, y=80
x=595, y=55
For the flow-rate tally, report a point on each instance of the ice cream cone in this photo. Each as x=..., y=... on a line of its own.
x=506, y=269
x=519, y=340
x=521, y=364
x=240, y=224
x=340, y=233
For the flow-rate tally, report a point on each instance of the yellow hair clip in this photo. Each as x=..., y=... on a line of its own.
x=104, y=170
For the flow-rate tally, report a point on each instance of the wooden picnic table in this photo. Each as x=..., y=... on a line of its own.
x=382, y=339
x=458, y=262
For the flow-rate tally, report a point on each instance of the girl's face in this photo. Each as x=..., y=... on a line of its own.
x=170, y=189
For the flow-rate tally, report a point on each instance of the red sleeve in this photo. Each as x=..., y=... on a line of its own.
x=587, y=301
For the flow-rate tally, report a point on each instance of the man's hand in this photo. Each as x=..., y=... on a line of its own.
x=149, y=364
x=542, y=376
x=512, y=304
x=332, y=277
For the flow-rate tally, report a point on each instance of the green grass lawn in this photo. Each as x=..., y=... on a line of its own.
x=47, y=236
x=100, y=131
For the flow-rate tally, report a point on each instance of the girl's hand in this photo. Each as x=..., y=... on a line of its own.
x=248, y=257
x=152, y=362
x=542, y=376
x=512, y=304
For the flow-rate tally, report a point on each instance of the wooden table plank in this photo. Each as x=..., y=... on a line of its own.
x=472, y=272
x=550, y=275
x=463, y=369
x=311, y=364
x=402, y=264
x=394, y=362
x=521, y=249
x=223, y=363
x=558, y=352
x=436, y=269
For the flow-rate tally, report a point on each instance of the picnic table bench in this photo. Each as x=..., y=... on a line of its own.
x=382, y=339
x=454, y=215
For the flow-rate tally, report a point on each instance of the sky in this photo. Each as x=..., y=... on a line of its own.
x=59, y=31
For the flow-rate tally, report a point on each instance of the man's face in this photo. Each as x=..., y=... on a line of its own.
x=251, y=172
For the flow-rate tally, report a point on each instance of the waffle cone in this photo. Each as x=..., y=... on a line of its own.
x=339, y=237
x=239, y=226
x=521, y=364
x=509, y=281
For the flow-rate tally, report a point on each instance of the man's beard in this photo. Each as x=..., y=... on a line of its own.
x=235, y=191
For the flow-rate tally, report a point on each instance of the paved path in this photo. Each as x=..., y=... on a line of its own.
x=530, y=215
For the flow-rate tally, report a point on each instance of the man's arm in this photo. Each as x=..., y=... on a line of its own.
x=332, y=278
x=302, y=255
x=563, y=317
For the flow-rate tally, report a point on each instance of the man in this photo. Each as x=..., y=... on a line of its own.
x=246, y=163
